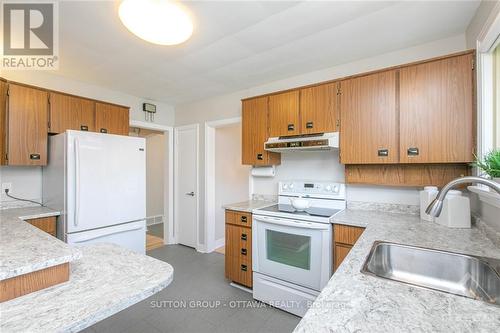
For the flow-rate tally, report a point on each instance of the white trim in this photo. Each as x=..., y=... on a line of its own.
x=488, y=37
x=220, y=242
x=199, y=247
x=210, y=126
x=168, y=205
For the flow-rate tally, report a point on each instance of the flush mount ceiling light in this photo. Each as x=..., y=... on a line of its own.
x=160, y=22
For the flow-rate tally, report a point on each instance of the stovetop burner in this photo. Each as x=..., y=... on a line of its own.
x=312, y=211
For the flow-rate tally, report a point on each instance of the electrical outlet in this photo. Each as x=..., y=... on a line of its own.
x=6, y=186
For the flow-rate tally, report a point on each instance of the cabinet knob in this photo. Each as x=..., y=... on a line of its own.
x=309, y=124
x=412, y=151
x=244, y=237
x=243, y=252
x=291, y=127
x=383, y=152
x=84, y=128
x=103, y=130
x=260, y=157
x=244, y=268
x=244, y=219
x=34, y=156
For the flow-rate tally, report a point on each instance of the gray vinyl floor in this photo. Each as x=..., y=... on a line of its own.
x=197, y=277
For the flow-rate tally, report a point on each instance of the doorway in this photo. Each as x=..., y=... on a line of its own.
x=186, y=185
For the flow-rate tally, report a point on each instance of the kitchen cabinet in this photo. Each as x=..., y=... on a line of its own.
x=238, y=255
x=3, y=119
x=284, y=117
x=112, y=119
x=344, y=237
x=319, y=109
x=26, y=125
x=47, y=224
x=70, y=113
x=369, y=119
x=437, y=111
x=255, y=133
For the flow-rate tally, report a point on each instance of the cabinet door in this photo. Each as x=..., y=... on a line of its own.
x=112, y=119
x=369, y=119
x=436, y=111
x=47, y=224
x=70, y=112
x=255, y=133
x=3, y=125
x=27, y=115
x=284, y=114
x=318, y=109
x=339, y=253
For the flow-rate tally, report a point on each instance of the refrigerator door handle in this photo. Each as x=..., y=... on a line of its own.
x=77, y=182
x=91, y=237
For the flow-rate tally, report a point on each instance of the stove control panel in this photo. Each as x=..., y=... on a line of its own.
x=312, y=188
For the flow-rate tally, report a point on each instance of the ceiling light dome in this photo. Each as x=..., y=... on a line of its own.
x=160, y=22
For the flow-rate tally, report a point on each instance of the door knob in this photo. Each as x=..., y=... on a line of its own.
x=190, y=193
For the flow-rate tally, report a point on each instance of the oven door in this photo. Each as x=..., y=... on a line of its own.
x=295, y=251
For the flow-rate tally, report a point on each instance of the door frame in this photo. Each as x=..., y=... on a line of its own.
x=168, y=189
x=210, y=126
x=177, y=129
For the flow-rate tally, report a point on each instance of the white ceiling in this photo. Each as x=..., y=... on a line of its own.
x=237, y=45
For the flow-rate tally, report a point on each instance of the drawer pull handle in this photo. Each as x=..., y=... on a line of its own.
x=383, y=152
x=84, y=128
x=244, y=268
x=244, y=219
x=260, y=157
x=243, y=252
x=309, y=124
x=244, y=237
x=103, y=130
x=34, y=156
x=291, y=127
x=412, y=151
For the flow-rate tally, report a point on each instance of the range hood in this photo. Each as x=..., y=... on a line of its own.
x=310, y=142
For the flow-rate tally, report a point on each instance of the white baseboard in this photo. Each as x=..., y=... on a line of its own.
x=220, y=243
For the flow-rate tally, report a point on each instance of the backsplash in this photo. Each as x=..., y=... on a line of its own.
x=16, y=204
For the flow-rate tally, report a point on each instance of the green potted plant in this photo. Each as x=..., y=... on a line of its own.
x=490, y=164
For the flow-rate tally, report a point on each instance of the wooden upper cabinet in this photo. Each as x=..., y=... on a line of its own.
x=70, y=112
x=437, y=111
x=284, y=117
x=3, y=119
x=369, y=119
x=255, y=134
x=112, y=119
x=319, y=109
x=27, y=116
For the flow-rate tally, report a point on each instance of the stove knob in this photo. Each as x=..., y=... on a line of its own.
x=335, y=188
x=328, y=188
x=291, y=186
x=285, y=186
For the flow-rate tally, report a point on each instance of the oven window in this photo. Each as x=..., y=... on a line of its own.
x=289, y=249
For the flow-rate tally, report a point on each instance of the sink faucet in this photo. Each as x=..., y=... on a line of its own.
x=434, y=209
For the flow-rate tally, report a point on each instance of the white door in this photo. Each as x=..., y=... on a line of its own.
x=186, y=184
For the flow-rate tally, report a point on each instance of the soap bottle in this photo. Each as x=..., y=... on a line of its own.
x=428, y=194
x=456, y=211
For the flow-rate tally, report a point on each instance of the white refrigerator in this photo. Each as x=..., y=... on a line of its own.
x=98, y=183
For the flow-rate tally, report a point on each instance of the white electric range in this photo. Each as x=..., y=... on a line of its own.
x=292, y=249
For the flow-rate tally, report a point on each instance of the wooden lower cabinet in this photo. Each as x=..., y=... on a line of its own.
x=238, y=256
x=344, y=237
x=47, y=224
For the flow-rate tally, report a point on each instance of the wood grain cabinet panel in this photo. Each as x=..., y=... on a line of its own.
x=239, y=218
x=71, y=113
x=27, y=117
x=319, y=109
x=238, y=248
x=369, y=119
x=437, y=111
x=238, y=242
x=284, y=116
x=344, y=237
x=3, y=120
x=340, y=252
x=47, y=224
x=255, y=133
x=112, y=119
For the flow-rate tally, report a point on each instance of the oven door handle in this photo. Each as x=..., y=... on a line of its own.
x=292, y=223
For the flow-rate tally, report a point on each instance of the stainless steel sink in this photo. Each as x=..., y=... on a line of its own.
x=455, y=273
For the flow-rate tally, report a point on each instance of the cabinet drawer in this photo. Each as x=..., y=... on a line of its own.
x=239, y=270
x=47, y=224
x=239, y=242
x=239, y=218
x=346, y=234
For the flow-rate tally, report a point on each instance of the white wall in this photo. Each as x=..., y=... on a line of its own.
x=231, y=178
x=229, y=106
x=27, y=181
x=155, y=174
